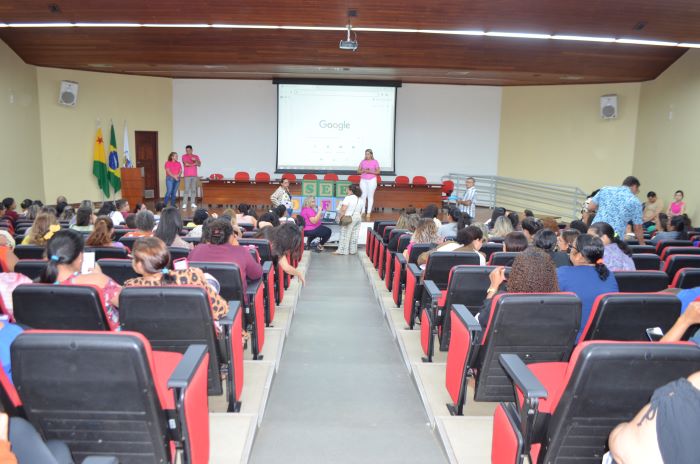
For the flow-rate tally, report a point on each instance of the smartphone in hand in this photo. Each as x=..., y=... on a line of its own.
x=181, y=264
x=88, y=262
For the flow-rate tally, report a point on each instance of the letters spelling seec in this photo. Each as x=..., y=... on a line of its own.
x=334, y=125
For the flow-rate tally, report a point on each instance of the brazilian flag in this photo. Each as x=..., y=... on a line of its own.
x=113, y=173
x=99, y=165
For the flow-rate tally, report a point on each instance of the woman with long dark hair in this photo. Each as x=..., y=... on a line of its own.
x=169, y=228
x=64, y=252
x=102, y=234
x=285, y=240
x=589, y=277
x=618, y=256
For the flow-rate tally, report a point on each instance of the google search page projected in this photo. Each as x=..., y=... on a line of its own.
x=328, y=127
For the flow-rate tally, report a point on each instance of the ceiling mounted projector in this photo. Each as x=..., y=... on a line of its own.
x=350, y=43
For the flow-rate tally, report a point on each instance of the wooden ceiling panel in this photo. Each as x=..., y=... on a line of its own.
x=409, y=57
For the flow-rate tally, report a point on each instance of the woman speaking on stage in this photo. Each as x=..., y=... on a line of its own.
x=368, y=170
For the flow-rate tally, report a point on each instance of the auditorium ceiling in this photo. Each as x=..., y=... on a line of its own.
x=406, y=40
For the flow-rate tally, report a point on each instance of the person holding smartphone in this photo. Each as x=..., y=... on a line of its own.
x=313, y=227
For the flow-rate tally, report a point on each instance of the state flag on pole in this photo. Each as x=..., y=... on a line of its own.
x=99, y=163
x=114, y=175
x=127, y=157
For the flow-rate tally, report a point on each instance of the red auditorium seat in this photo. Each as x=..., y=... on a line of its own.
x=661, y=244
x=216, y=176
x=673, y=250
x=32, y=268
x=437, y=270
x=376, y=237
x=173, y=318
x=646, y=261
x=119, y=270
x=490, y=248
x=563, y=416
x=60, y=307
x=503, y=258
x=466, y=285
x=110, y=394
x=262, y=177
x=401, y=180
x=229, y=277
x=108, y=252
x=330, y=176
x=241, y=176
x=537, y=327
x=291, y=177
x=29, y=251
x=419, y=180
x=641, y=281
x=686, y=278
x=447, y=188
x=627, y=316
x=389, y=233
x=354, y=179
x=402, y=243
x=675, y=263
x=400, y=266
x=310, y=177
x=270, y=271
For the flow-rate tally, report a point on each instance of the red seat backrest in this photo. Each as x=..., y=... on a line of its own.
x=290, y=176
x=330, y=176
x=262, y=177
x=216, y=176
x=402, y=180
x=448, y=187
x=310, y=177
x=241, y=176
x=355, y=179
x=419, y=180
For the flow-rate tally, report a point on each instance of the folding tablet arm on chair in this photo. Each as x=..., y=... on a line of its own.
x=179, y=382
x=525, y=382
x=227, y=325
x=431, y=315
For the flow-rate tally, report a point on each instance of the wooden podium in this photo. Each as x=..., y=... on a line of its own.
x=132, y=185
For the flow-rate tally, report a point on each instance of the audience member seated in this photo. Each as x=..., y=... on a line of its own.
x=8, y=259
x=160, y=206
x=533, y=271
x=407, y=222
x=589, y=276
x=67, y=214
x=151, y=259
x=8, y=282
x=44, y=226
x=618, y=256
x=281, y=212
x=530, y=227
x=551, y=224
x=83, y=204
x=106, y=209
x=313, y=227
x=169, y=228
x=690, y=316
x=431, y=212
x=454, y=218
x=502, y=227
x=130, y=221
x=284, y=240
x=497, y=212
x=200, y=215
x=220, y=245
x=664, y=430
x=140, y=207
x=246, y=215
x=676, y=231
x=230, y=214
x=84, y=220
x=652, y=208
x=469, y=238
x=144, y=222
x=426, y=232
x=514, y=220
x=102, y=234
x=8, y=333
x=26, y=203
x=402, y=221
x=64, y=251
x=566, y=239
x=677, y=206
x=515, y=242
x=268, y=220
x=10, y=207
x=121, y=211
x=579, y=225
x=546, y=240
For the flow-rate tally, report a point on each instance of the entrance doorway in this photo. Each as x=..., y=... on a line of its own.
x=147, y=159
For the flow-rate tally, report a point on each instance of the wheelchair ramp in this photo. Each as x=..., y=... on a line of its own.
x=342, y=393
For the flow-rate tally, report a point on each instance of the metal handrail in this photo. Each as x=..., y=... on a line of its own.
x=543, y=198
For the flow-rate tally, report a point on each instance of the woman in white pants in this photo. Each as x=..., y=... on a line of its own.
x=369, y=170
x=350, y=207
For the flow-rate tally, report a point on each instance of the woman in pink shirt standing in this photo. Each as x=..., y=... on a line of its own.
x=369, y=170
x=173, y=169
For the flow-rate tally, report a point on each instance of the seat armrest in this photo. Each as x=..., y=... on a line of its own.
x=432, y=290
x=415, y=270
x=187, y=366
x=227, y=320
x=469, y=320
x=266, y=267
x=521, y=376
x=252, y=289
x=400, y=257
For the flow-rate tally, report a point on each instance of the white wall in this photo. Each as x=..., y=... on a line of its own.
x=232, y=124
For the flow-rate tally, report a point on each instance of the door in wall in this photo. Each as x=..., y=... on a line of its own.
x=147, y=159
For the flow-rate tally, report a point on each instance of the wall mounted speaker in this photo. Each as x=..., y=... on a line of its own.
x=68, y=94
x=608, y=107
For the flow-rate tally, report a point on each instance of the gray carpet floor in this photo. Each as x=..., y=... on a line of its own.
x=342, y=393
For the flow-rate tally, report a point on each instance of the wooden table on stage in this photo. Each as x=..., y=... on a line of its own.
x=388, y=194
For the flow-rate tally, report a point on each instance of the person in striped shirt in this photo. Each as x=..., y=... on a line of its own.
x=468, y=202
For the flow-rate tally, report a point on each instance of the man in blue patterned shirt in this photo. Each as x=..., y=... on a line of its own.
x=618, y=206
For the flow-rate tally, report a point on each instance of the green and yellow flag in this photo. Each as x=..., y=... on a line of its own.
x=114, y=174
x=99, y=164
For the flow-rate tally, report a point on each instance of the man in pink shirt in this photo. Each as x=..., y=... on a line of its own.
x=191, y=162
